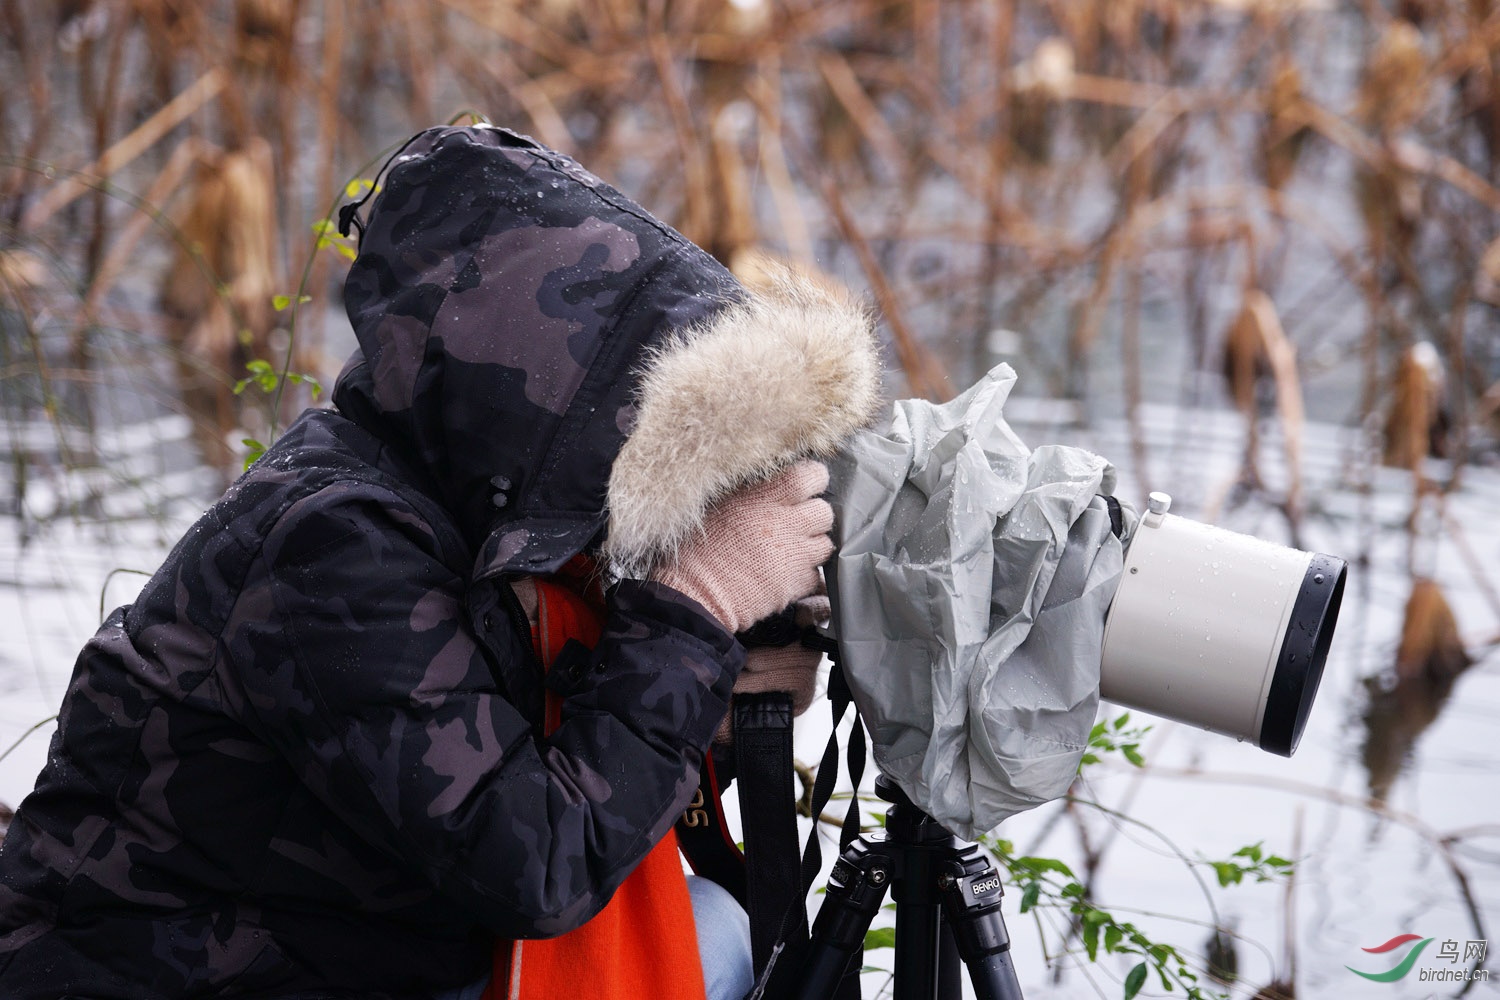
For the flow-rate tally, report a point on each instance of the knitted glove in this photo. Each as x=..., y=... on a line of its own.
x=792, y=668
x=759, y=549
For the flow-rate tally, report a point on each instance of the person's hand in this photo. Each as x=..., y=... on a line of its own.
x=792, y=668
x=759, y=549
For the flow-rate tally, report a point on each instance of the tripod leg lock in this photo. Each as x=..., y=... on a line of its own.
x=856, y=887
x=971, y=894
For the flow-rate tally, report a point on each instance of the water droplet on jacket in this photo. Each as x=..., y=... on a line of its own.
x=499, y=500
x=500, y=482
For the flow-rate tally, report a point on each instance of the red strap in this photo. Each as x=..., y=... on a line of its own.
x=569, y=606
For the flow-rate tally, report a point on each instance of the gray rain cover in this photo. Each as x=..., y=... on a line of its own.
x=969, y=592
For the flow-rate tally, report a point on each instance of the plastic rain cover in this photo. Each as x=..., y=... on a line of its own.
x=969, y=591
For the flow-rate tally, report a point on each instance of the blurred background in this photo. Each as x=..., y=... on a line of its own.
x=1250, y=251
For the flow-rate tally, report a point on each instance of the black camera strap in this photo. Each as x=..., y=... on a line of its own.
x=704, y=837
x=767, y=878
x=768, y=817
x=780, y=934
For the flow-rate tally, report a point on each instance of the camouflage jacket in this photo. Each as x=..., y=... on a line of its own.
x=306, y=761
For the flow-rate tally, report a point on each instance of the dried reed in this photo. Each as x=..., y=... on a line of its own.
x=1046, y=167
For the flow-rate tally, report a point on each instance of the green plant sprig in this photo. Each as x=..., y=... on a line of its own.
x=265, y=377
x=1114, y=737
x=1047, y=883
x=328, y=237
x=1257, y=865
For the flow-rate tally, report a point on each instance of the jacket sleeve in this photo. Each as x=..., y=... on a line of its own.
x=355, y=658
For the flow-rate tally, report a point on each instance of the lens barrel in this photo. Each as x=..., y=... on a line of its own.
x=1220, y=630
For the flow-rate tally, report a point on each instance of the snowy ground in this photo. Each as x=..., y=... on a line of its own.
x=1363, y=876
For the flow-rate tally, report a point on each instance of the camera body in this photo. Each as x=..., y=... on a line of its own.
x=1220, y=630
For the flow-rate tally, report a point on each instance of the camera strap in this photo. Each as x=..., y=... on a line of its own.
x=768, y=878
x=768, y=817
x=703, y=834
x=779, y=930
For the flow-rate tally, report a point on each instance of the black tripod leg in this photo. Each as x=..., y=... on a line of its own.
x=971, y=907
x=856, y=888
x=916, y=948
x=927, y=959
x=950, y=986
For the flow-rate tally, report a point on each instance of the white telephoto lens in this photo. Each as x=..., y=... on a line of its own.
x=1220, y=630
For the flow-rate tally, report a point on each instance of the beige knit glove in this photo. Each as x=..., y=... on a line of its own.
x=759, y=549
x=792, y=668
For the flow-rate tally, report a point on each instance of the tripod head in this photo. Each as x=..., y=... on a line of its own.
x=904, y=822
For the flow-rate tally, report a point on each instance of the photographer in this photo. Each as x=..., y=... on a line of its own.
x=377, y=709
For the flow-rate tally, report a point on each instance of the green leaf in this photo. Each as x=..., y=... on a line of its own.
x=1276, y=861
x=311, y=381
x=1133, y=755
x=1091, y=938
x=1097, y=731
x=1119, y=723
x=256, y=449
x=357, y=187
x=1087, y=759
x=1112, y=935
x=1252, y=852
x=1040, y=865
x=280, y=302
x=347, y=252
x=1073, y=890
x=1134, y=980
x=880, y=937
x=1029, y=896
x=1228, y=873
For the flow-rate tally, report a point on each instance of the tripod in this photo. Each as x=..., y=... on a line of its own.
x=947, y=910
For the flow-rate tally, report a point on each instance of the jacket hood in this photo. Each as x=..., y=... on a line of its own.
x=562, y=366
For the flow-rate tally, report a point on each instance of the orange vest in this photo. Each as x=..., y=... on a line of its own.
x=643, y=943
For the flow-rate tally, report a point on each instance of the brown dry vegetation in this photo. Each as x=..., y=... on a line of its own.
x=1301, y=197
x=1054, y=168
x=1291, y=195
x=1288, y=193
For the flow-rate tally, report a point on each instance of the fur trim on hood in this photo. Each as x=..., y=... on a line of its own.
x=789, y=371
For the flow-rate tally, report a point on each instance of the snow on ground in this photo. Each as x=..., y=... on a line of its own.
x=1363, y=877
